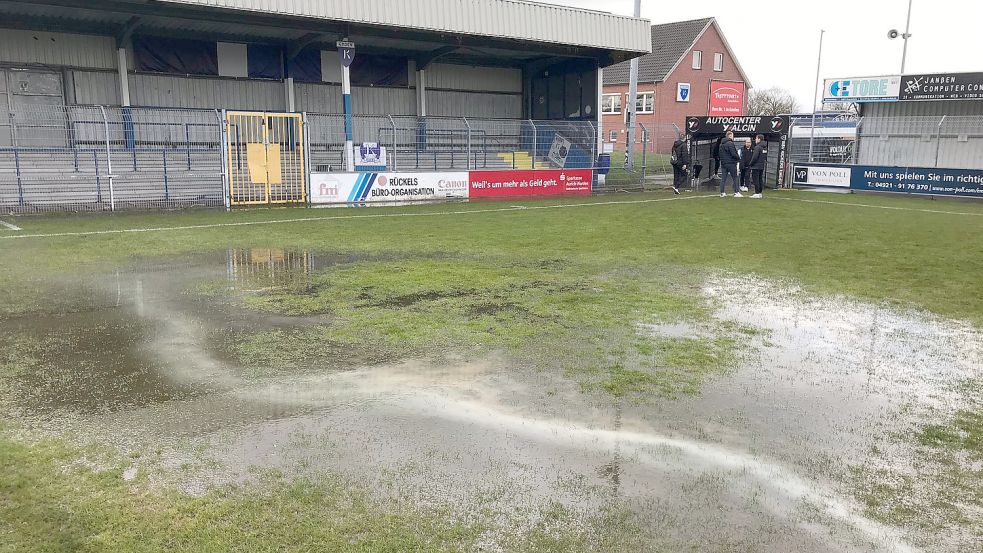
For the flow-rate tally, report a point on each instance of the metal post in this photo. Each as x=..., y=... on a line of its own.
x=938, y=140
x=815, y=98
x=468, y=125
x=223, y=148
x=109, y=161
x=124, y=79
x=307, y=154
x=645, y=147
x=535, y=142
x=593, y=146
x=392, y=122
x=630, y=108
x=187, y=142
x=856, y=141
x=906, y=36
x=346, y=90
x=20, y=184
x=167, y=192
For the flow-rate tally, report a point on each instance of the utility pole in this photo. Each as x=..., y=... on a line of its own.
x=630, y=108
x=906, y=36
x=815, y=98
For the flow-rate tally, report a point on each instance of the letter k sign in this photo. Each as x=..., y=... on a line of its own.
x=347, y=56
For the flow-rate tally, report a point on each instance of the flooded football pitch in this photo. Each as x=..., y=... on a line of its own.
x=165, y=362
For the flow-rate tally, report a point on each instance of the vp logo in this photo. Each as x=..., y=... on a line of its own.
x=802, y=174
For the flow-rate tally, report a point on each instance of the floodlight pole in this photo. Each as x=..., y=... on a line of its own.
x=815, y=98
x=630, y=107
x=906, y=36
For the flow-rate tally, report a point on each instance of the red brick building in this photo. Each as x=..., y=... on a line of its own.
x=692, y=53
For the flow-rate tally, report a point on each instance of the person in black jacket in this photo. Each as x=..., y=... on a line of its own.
x=759, y=162
x=746, y=153
x=729, y=160
x=680, y=163
x=715, y=153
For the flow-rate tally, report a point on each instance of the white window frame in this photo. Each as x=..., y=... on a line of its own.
x=612, y=136
x=604, y=110
x=697, y=59
x=718, y=62
x=641, y=96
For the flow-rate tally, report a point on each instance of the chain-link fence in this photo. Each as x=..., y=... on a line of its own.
x=91, y=158
x=98, y=158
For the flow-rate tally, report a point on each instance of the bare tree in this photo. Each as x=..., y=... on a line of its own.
x=771, y=101
x=843, y=107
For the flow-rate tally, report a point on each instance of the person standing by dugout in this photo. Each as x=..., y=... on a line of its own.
x=680, y=163
x=746, y=152
x=729, y=160
x=759, y=162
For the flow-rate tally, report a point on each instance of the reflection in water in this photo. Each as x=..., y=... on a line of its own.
x=259, y=268
x=146, y=365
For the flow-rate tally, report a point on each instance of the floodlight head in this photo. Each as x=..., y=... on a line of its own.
x=893, y=34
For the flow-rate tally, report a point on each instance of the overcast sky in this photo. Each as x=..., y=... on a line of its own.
x=776, y=41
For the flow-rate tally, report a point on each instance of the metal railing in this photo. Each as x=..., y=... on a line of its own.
x=953, y=142
x=93, y=158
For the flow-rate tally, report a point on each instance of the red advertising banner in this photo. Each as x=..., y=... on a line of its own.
x=727, y=98
x=545, y=182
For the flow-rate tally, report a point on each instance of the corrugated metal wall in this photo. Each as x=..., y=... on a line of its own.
x=915, y=134
x=35, y=47
x=497, y=18
x=466, y=77
x=96, y=87
x=919, y=109
x=326, y=98
x=188, y=92
x=473, y=104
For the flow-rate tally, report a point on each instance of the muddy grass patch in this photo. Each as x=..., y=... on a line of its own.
x=938, y=489
x=572, y=319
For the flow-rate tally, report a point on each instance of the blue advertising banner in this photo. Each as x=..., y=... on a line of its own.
x=964, y=183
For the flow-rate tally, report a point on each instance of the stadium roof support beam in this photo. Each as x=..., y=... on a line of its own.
x=126, y=31
x=424, y=61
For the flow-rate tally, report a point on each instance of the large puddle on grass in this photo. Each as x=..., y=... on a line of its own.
x=750, y=464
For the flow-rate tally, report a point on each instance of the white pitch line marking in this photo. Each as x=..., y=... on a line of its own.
x=10, y=226
x=347, y=217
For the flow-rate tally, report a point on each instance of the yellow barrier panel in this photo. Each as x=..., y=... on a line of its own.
x=266, y=158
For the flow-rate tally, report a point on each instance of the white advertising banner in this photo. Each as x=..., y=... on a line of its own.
x=837, y=177
x=332, y=188
x=862, y=89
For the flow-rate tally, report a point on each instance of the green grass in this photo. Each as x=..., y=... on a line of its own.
x=942, y=489
x=910, y=258
x=50, y=503
x=554, y=288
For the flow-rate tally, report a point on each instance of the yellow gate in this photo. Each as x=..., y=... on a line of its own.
x=266, y=158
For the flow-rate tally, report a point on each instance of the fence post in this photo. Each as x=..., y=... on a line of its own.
x=223, y=148
x=167, y=190
x=645, y=149
x=938, y=140
x=468, y=126
x=593, y=144
x=856, y=141
x=306, y=146
x=535, y=144
x=392, y=122
x=109, y=161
